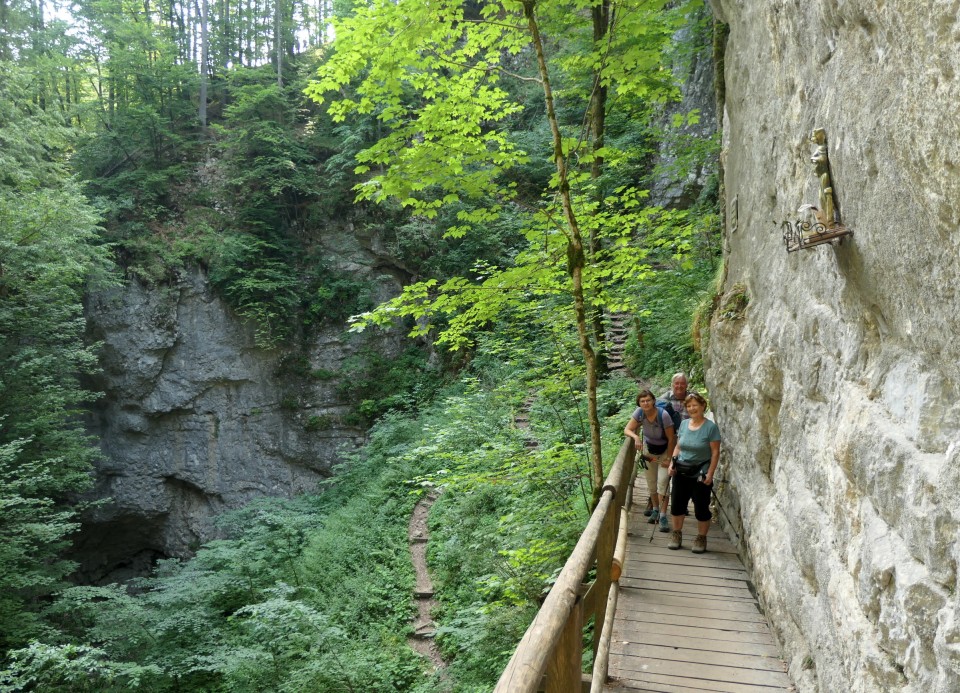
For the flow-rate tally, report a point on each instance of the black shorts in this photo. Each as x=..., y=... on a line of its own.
x=685, y=488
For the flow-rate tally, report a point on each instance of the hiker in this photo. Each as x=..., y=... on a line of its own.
x=676, y=395
x=658, y=440
x=692, y=467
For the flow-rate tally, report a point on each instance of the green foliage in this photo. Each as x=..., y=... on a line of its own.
x=538, y=272
x=313, y=594
x=434, y=142
x=248, y=213
x=47, y=255
x=376, y=383
x=267, y=161
x=332, y=296
x=32, y=139
x=79, y=668
x=432, y=75
x=424, y=246
x=432, y=78
x=734, y=304
x=318, y=423
x=509, y=515
x=257, y=278
x=678, y=300
x=661, y=342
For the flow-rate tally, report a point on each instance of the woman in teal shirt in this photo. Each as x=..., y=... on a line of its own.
x=695, y=459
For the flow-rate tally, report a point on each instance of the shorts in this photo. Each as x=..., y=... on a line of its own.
x=657, y=472
x=685, y=488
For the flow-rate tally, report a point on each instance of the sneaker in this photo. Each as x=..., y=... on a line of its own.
x=676, y=540
x=646, y=513
x=664, y=525
x=699, y=544
x=654, y=517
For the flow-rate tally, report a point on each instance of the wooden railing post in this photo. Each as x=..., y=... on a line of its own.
x=606, y=543
x=563, y=670
x=624, y=487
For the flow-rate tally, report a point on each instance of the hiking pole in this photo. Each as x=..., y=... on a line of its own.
x=724, y=512
x=663, y=508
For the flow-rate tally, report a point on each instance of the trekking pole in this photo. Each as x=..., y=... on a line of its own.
x=724, y=512
x=663, y=508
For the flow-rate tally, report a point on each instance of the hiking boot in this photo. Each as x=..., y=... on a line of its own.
x=664, y=525
x=699, y=544
x=654, y=517
x=676, y=540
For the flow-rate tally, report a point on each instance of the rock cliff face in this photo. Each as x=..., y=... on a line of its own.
x=693, y=67
x=196, y=420
x=836, y=387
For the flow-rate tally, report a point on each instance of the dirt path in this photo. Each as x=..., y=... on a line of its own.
x=423, y=626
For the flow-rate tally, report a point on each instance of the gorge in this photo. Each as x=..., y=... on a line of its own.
x=832, y=371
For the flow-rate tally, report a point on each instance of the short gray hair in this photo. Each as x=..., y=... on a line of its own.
x=677, y=376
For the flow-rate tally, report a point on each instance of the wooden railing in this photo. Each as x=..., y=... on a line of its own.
x=550, y=655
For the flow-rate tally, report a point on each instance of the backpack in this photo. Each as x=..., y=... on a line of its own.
x=662, y=406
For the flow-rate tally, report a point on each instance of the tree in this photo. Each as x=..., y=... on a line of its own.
x=47, y=254
x=204, y=60
x=434, y=75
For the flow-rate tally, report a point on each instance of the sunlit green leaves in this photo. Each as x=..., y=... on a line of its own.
x=69, y=667
x=461, y=306
x=432, y=78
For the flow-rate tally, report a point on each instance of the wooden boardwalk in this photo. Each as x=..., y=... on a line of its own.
x=688, y=622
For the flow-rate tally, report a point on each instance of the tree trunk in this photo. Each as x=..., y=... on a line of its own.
x=278, y=39
x=575, y=256
x=598, y=114
x=204, y=55
x=5, y=31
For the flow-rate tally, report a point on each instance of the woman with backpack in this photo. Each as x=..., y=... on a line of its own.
x=658, y=440
x=694, y=462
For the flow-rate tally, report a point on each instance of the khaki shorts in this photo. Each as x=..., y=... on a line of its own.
x=658, y=471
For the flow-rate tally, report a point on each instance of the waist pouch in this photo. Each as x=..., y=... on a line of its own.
x=656, y=448
x=691, y=470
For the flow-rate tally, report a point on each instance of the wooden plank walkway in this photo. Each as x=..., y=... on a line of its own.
x=688, y=622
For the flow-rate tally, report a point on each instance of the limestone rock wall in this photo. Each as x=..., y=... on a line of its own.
x=694, y=69
x=836, y=388
x=195, y=420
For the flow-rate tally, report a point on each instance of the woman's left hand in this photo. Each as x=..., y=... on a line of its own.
x=708, y=479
